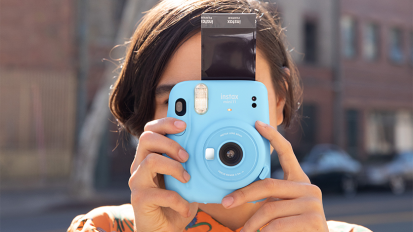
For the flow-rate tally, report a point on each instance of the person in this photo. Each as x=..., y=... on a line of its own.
x=165, y=50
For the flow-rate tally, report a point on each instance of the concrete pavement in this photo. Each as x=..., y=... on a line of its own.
x=28, y=202
x=380, y=211
x=53, y=210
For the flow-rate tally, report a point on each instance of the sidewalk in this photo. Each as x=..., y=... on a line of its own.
x=19, y=203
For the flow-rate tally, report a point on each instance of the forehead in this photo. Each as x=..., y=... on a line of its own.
x=185, y=63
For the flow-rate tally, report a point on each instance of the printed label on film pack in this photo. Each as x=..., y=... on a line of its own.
x=228, y=20
x=228, y=46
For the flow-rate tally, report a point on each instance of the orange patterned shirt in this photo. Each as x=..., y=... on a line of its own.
x=120, y=219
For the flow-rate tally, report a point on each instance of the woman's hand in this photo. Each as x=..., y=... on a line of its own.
x=292, y=204
x=155, y=208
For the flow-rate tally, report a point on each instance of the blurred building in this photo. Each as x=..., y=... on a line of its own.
x=365, y=46
x=309, y=29
x=37, y=90
x=374, y=71
x=39, y=70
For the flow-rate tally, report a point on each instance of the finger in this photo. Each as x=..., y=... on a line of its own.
x=165, y=126
x=289, y=163
x=285, y=224
x=153, y=164
x=151, y=142
x=269, y=187
x=155, y=198
x=283, y=208
x=303, y=222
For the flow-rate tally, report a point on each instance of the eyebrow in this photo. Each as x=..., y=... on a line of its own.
x=162, y=89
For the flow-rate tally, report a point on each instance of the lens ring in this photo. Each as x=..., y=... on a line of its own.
x=230, y=154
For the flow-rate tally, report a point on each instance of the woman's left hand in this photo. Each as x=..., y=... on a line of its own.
x=292, y=204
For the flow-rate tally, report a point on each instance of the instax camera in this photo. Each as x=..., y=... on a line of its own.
x=225, y=150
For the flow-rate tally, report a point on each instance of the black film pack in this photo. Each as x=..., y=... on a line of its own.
x=228, y=46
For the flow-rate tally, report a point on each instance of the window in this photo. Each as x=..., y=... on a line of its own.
x=352, y=121
x=411, y=48
x=380, y=133
x=395, y=52
x=371, y=42
x=310, y=42
x=404, y=131
x=348, y=36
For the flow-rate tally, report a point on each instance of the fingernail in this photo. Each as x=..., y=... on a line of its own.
x=186, y=176
x=261, y=123
x=227, y=201
x=179, y=124
x=242, y=230
x=183, y=155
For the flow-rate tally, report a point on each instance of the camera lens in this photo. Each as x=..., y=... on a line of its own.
x=254, y=98
x=254, y=105
x=230, y=154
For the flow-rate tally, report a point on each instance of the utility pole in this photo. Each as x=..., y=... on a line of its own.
x=82, y=35
x=96, y=121
x=338, y=112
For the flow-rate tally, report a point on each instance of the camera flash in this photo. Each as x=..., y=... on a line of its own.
x=229, y=109
x=201, y=99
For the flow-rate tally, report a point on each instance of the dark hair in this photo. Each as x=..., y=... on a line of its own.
x=160, y=33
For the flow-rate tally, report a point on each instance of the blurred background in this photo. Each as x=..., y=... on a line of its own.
x=61, y=154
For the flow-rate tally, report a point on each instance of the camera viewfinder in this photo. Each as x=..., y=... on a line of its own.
x=180, y=107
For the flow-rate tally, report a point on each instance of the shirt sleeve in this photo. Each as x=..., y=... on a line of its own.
x=335, y=226
x=105, y=219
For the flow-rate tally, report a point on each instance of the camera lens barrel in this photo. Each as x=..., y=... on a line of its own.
x=230, y=154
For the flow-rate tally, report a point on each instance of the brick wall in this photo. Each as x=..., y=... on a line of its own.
x=37, y=91
x=37, y=34
x=36, y=125
x=38, y=72
x=378, y=85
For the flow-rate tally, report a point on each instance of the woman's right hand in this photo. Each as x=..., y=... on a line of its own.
x=155, y=208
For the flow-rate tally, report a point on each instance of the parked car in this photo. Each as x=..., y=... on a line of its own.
x=329, y=167
x=396, y=173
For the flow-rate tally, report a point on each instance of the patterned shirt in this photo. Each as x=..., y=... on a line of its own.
x=120, y=219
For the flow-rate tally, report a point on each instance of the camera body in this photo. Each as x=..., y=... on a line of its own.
x=225, y=150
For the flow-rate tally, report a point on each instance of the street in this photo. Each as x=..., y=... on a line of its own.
x=379, y=211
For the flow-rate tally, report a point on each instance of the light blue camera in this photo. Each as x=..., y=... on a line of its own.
x=226, y=152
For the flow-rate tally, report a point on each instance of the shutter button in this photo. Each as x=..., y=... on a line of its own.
x=209, y=154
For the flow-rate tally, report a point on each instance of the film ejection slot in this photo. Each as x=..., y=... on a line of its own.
x=201, y=98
